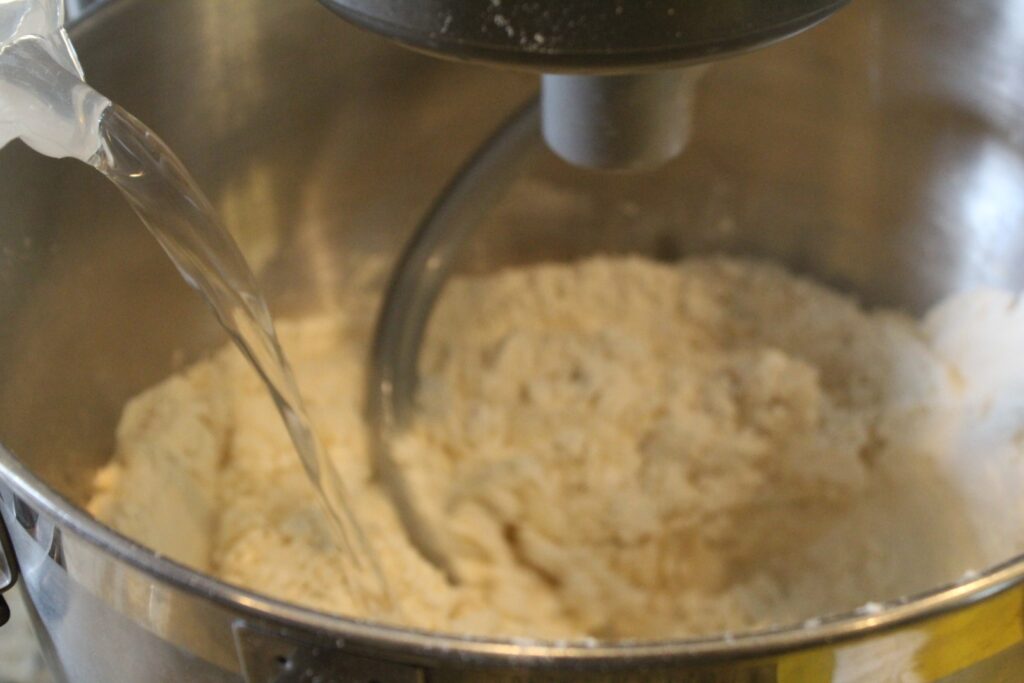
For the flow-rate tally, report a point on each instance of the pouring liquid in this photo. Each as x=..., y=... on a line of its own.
x=45, y=102
x=180, y=217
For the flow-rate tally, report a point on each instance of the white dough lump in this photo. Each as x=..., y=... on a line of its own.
x=616, y=448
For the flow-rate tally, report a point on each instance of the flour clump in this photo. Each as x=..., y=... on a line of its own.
x=616, y=448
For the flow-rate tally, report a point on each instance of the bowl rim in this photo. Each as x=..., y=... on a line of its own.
x=833, y=630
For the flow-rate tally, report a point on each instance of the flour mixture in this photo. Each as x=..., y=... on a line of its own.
x=618, y=448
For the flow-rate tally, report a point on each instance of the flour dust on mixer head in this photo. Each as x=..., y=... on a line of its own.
x=619, y=81
x=554, y=431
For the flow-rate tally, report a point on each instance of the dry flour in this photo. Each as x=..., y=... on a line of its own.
x=618, y=448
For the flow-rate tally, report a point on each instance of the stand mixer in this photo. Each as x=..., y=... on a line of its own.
x=882, y=152
x=618, y=77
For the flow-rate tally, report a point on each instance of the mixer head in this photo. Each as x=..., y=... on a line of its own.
x=618, y=82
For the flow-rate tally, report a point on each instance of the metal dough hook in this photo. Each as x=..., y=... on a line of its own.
x=416, y=283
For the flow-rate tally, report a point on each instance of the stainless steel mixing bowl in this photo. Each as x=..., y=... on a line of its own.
x=881, y=153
